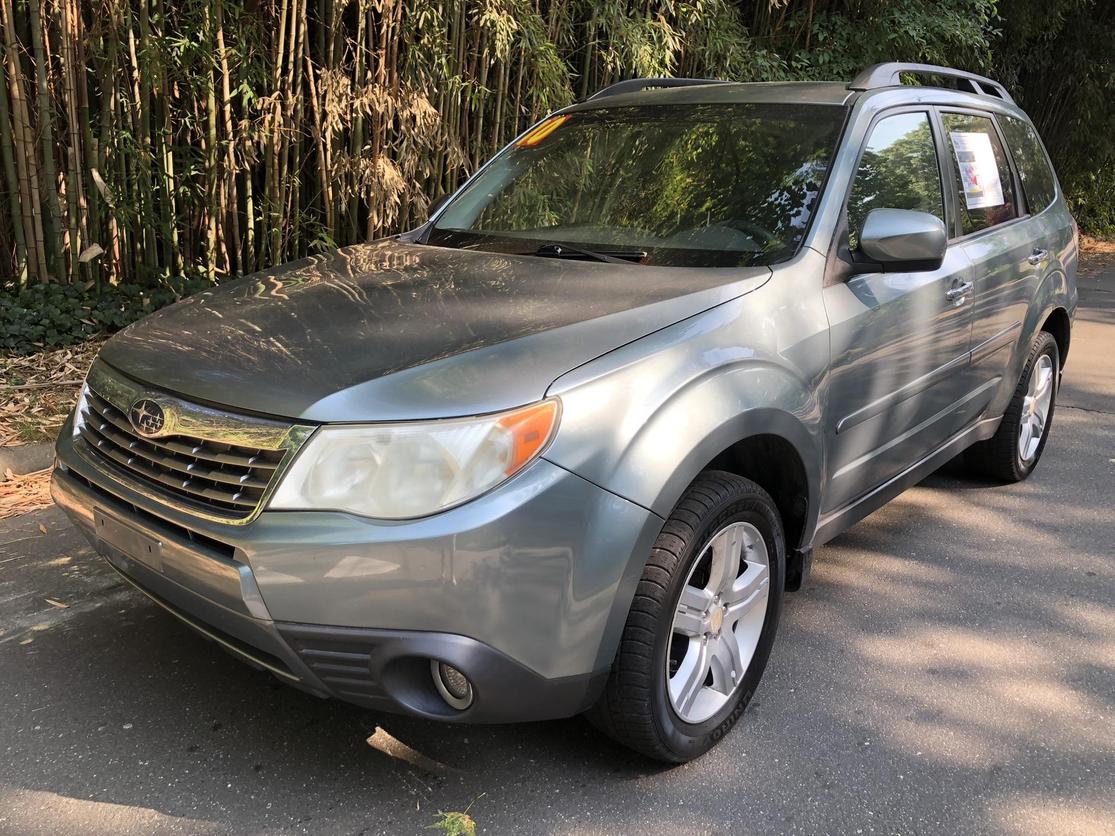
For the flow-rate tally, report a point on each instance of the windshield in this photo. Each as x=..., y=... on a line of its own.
x=685, y=185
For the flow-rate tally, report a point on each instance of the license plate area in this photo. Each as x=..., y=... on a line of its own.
x=127, y=541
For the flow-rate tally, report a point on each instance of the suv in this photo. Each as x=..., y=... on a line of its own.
x=563, y=447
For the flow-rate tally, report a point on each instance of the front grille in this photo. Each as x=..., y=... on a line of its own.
x=203, y=475
x=195, y=539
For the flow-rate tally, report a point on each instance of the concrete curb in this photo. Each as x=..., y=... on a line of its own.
x=26, y=458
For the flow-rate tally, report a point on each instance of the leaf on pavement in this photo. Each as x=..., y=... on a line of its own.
x=20, y=493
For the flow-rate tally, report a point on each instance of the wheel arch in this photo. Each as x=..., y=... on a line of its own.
x=1052, y=311
x=742, y=444
x=773, y=463
x=1058, y=324
x=772, y=448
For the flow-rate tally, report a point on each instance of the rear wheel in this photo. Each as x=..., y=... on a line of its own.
x=702, y=623
x=1012, y=453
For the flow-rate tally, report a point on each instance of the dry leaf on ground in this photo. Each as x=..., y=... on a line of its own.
x=37, y=391
x=1097, y=245
x=22, y=493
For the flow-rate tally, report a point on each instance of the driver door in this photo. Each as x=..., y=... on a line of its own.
x=899, y=382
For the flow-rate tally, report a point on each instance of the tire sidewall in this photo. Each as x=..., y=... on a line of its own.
x=688, y=740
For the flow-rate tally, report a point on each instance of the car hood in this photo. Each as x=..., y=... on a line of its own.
x=395, y=331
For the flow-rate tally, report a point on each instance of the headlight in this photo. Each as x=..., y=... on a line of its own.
x=401, y=471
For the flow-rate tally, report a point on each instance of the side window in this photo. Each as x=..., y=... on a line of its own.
x=898, y=170
x=983, y=179
x=1038, y=184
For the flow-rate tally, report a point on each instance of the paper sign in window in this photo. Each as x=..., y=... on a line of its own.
x=979, y=171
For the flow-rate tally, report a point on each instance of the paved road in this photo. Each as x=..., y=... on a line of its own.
x=950, y=667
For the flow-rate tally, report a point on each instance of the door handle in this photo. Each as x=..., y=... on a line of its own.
x=1037, y=256
x=957, y=294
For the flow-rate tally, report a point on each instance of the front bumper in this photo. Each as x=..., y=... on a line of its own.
x=525, y=590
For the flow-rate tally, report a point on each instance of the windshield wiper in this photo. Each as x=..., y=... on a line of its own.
x=556, y=250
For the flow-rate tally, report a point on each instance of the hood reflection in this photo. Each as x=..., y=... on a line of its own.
x=280, y=341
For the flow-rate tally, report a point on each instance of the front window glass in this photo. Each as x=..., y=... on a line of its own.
x=688, y=185
x=1033, y=169
x=979, y=164
x=898, y=170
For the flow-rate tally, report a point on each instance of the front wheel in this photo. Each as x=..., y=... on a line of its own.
x=1013, y=452
x=702, y=623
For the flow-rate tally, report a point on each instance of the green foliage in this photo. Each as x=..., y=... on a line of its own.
x=44, y=316
x=454, y=824
x=849, y=36
x=1057, y=57
x=1092, y=197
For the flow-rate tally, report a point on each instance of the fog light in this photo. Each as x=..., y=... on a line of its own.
x=453, y=685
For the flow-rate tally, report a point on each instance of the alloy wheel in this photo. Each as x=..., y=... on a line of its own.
x=718, y=621
x=1035, y=407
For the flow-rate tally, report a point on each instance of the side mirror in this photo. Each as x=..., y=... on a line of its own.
x=902, y=238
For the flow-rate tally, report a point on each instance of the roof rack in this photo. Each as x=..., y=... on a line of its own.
x=635, y=85
x=890, y=75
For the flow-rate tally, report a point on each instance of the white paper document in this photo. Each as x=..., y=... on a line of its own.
x=979, y=172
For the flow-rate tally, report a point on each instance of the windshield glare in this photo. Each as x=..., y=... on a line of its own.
x=686, y=185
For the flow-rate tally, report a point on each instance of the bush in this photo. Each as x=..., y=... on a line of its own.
x=1092, y=200
x=44, y=316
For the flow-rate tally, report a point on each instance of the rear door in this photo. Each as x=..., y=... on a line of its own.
x=998, y=234
x=899, y=385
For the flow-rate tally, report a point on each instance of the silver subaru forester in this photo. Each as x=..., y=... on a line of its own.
x=562, y=448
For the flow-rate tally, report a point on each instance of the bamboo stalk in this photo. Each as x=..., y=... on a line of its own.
x=289, y=170
x=232, y=209
x=138, y=47
x=250, y=260
x=315, y=126
x=83, y=151
x=11, y=182
x=356, y=136
x=52, y=235
x=23, y=146
x=212, y=204
x=272, y=145
x=71, y=95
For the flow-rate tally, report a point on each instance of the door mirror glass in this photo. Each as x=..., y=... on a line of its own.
x=904, y=238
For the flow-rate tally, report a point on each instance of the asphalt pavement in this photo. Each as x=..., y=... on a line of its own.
x=949, y=667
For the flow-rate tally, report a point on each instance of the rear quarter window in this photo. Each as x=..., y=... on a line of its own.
x=1038, y=182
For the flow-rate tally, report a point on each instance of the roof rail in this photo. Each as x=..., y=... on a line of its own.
x=890, y=75
x=634, y=85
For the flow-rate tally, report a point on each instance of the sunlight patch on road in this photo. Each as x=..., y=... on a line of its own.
x=1041, y=814
x=42, y=811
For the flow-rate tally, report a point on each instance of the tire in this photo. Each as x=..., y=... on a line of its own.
x=1001, y=457
x=719, y=514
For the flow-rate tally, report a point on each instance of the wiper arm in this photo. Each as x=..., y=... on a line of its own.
x=556, y=250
